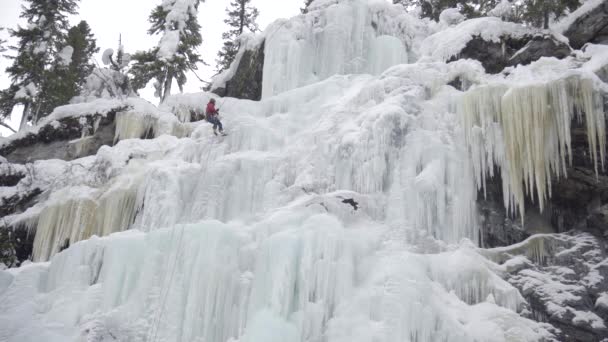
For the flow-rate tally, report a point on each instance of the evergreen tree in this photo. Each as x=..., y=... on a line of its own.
x=241, y=17
x=176, y=52
x=70, y=70
x=539, y=12
x=307, y=3
x=433, y=8
x=37, y=50
x=111, y=81
x=2, y=42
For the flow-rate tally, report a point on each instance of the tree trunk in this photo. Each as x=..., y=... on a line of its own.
x=168, y=84
x=546, y=19
x=26, y=109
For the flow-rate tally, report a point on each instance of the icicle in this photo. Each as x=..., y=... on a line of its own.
x=61, y=225
x=525, y=131
x=93, y=212
x=134, y=125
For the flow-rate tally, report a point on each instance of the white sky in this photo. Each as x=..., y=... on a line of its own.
x=109, y=18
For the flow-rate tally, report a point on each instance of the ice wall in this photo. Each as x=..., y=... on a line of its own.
x=297, y=275
x=339, y=37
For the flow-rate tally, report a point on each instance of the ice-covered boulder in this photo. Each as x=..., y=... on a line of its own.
x=588, y=24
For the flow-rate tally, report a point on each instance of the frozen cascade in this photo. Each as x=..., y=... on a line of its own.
x=136, y=124
x=347, y=37
x=78, y=213
x=340, y=208
x=525, y=131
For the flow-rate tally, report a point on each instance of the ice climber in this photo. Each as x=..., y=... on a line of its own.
x=212, y=115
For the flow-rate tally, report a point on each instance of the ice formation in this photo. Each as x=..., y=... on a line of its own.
x=339, y=208
x=525, y=131
x=347, y=37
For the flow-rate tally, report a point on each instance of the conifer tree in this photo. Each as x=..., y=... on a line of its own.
x=433, y=8
x=176, y=21
x=37, y=49
x=70, y=70
x=111, y=81
x=2, y=42
x=241, y=17
x=540, y=12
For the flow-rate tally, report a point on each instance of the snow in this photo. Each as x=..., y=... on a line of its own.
x=448, y=43
x=451, y=16
x=502, y=9
x=106, y=57
x=178, y=12
x=29, y=91
x=168, y=45
x=65, y=55
x=602, y=301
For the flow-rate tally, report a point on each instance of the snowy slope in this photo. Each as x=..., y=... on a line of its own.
x=338, y=208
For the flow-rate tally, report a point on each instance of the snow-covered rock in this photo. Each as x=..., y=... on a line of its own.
x=588, y=24
x=562, y=276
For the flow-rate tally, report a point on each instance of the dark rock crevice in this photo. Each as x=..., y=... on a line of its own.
x=246, y=83
x=511, y=51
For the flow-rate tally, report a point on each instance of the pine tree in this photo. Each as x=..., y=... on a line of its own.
x=111, y=81
x=176, y=52
x=306, y=4
x=37, y=50
x=433, y=8
x=2, y=42
x=539, y=12
x=70, y=70
x=241, y=17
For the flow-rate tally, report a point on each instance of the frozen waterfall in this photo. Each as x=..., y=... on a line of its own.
x=340, y=208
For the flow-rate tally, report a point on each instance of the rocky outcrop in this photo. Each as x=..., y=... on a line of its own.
x=591, y=27
x=540, y=46
x=510, y=51
x=15, y=246
x=246, y=83
x=67, y=139
x=562, y=277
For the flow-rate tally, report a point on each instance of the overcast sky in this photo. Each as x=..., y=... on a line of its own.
x=109, y=18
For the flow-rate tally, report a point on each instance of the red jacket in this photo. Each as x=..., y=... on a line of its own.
x=211, y=109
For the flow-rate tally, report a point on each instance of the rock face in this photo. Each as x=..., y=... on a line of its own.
x=562, y=277
x=591, y=27
x=247, y=80
x=63, y=139
x=540, y=46
x=495, y=56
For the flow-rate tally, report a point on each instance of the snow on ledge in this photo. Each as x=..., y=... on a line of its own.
x=447, y=43
x=97, y=107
